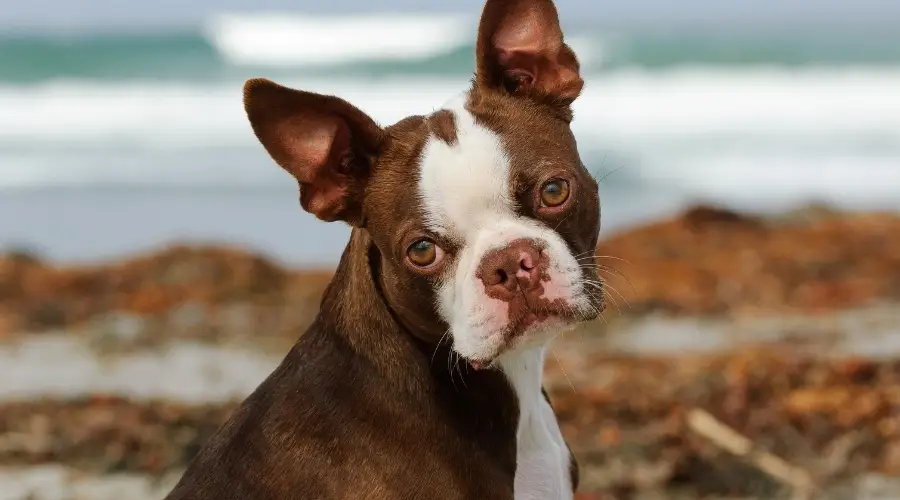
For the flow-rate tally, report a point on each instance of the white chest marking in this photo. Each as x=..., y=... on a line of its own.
x=543, y=460
x=466, y=193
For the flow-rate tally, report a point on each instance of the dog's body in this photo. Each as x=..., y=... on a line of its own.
x=421, y=376
x=333, y=422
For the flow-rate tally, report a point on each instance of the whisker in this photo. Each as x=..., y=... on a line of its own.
x=563, y=370
x=450, y=368
x=609, y=173
x=611, y=271
x=458, y=370
x=596, y=309
x=438, y=346
x=589, y=254
x=590, y=265
x=601, y=287
x=614, y=258
x=615, y=303
x=586, y=257
x=614, y=290
x=605, y=286
x=600, y=298
x=563, y=220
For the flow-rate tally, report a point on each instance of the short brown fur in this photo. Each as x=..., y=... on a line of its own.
x=365, y=406
x=442, y=125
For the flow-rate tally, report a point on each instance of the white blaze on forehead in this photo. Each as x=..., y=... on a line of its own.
x=466, y=193
x=466, y=183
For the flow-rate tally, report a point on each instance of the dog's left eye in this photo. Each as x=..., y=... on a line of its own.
x=423, y=253
x=554, y=193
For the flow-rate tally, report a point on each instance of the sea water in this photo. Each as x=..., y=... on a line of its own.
x=113, y=141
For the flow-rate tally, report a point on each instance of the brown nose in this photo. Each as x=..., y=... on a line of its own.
x=506, y=270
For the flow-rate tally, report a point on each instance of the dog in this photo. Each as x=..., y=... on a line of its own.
x=472, y=247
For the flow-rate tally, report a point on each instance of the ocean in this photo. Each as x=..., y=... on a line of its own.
x=113, y=142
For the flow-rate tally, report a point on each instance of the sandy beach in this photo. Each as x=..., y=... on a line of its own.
x=784, y=329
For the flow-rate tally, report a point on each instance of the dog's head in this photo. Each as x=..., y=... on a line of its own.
x=483, y=213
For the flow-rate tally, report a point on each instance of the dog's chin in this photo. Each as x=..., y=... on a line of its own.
x=531, y=331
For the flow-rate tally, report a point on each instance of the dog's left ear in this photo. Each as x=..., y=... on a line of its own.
x=520, y=50
x=326, y=143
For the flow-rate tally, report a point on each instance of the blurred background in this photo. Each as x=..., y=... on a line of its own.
x=750, y=163
x=122, y=123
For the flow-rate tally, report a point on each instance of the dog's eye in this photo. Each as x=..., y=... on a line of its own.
x=554, y=193
x=423, y=253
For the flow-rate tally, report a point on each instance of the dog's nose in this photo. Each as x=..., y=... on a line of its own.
x=517, y=266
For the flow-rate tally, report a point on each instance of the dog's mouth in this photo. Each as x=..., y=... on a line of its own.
x=533, y=317
x=539, y=324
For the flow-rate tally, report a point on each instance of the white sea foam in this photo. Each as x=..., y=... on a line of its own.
x=293, y=40
x=628, y=104
x=818, y=132
x=275, y=39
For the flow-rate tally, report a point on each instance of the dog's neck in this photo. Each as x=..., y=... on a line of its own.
x=354, y=309
x=503, y=409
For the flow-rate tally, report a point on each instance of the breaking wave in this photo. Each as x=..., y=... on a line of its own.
x=294, y=40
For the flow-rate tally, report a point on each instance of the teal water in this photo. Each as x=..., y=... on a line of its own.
x=191, y=55
x=111, y=142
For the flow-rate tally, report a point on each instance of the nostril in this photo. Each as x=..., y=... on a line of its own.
x=526, y=262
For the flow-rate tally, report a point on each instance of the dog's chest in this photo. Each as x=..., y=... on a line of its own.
x=542, y=459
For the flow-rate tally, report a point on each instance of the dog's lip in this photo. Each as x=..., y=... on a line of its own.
x=526, y=322
x=534, y=318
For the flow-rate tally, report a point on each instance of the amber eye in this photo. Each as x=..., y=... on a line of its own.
x=554, y=193
x=422, y=253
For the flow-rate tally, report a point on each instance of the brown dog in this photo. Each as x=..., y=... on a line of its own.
x=472, y=247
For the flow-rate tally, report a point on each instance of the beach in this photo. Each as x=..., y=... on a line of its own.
x=782, y=328
x=156, y=265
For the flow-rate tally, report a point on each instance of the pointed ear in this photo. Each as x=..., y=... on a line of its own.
x=326, y=143
x=520, y=49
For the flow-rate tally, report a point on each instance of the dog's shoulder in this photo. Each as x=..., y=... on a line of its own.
x=324, y=425
x=273, y=445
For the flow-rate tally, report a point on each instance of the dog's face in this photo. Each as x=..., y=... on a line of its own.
x=499, y=222
x=483, y=213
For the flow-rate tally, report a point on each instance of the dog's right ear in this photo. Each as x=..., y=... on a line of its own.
x=326, y=143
